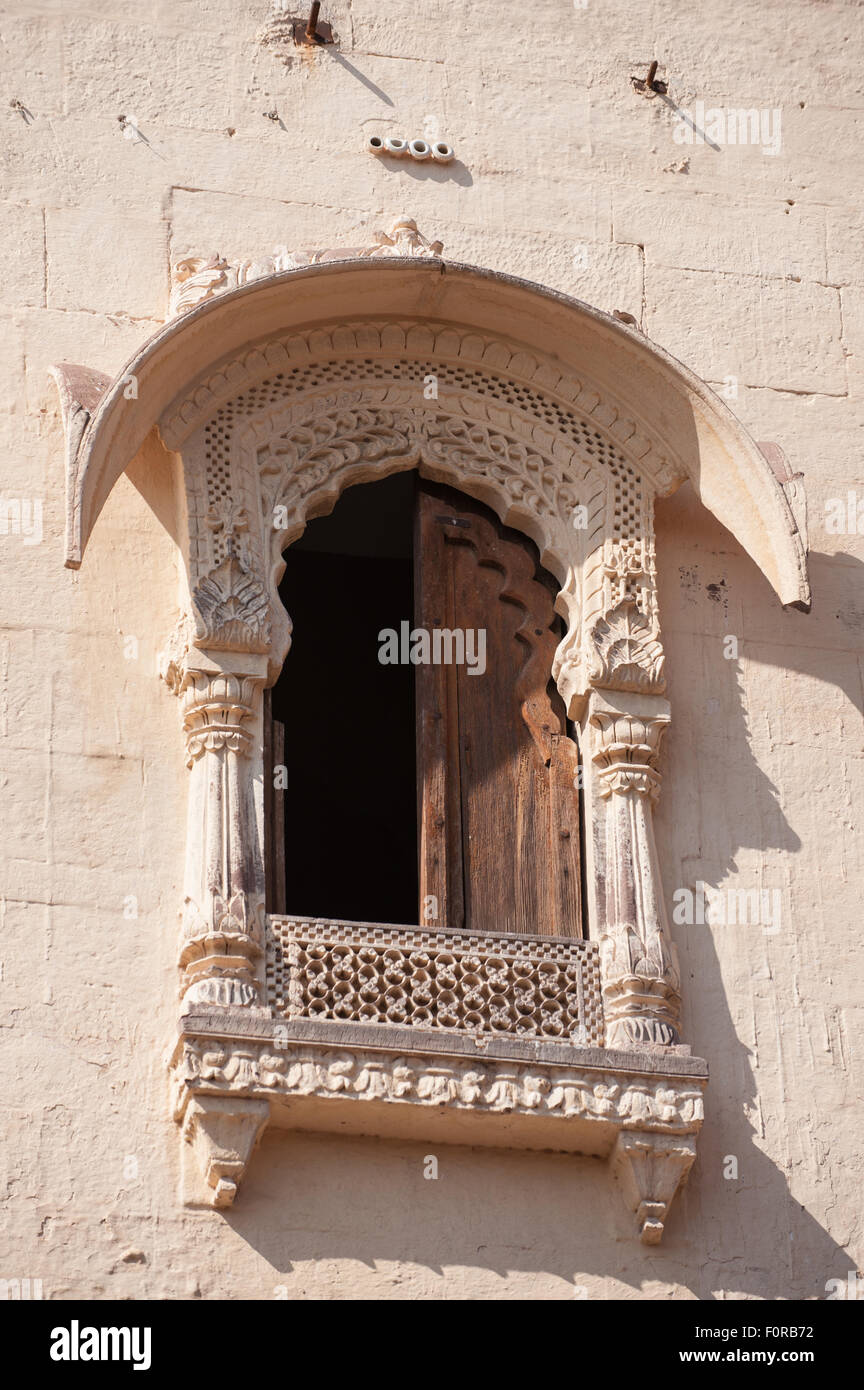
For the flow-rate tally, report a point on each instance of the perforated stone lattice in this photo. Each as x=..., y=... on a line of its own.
x=582, y=433
x=525, y=987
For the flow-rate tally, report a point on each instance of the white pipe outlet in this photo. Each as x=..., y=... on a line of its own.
x=419, y=149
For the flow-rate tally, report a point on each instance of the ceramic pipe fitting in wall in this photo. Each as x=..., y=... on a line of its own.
x=418, y=149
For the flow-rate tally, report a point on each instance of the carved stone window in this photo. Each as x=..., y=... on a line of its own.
x=277, y=395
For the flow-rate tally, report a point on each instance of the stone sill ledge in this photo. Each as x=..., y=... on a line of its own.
x=673, y=1062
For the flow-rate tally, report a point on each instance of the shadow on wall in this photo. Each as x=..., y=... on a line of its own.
x=354, y=1218
x=719, y=806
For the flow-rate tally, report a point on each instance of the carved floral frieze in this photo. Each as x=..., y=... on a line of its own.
x=195, y=279
x=665, y=1104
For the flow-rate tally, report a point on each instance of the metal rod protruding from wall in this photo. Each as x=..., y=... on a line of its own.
x=650, y=86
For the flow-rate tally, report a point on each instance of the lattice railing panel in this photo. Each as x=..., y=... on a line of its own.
x=543, y=988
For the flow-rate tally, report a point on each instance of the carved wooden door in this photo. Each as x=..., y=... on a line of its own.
x=496, y=770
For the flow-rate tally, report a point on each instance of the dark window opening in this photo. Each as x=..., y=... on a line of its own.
x=350, y=808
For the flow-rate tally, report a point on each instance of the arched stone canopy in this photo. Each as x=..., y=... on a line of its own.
x=659, y=413
x=277, y=396
x=325, y=370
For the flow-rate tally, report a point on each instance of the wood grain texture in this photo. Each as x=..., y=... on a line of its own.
x=499, y=839
x=438, y=763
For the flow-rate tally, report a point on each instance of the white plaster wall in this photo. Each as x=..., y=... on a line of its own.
x=744, y=265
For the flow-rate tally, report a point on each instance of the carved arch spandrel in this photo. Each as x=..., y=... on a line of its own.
x=343, y=350
x=284, y=455
x=305, y=468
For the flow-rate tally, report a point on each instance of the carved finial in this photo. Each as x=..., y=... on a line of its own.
x=194, y=279
x=404, y=239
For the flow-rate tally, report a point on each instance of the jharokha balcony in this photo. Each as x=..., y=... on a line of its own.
x=516, y=498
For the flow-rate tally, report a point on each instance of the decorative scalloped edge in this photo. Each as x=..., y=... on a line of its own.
x=490, y=462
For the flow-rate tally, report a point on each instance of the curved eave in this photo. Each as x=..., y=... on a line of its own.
x=728, y=472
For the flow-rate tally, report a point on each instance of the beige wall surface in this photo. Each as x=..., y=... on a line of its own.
x=745, y=261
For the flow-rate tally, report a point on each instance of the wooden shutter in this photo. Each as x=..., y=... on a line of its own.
x=497, y=806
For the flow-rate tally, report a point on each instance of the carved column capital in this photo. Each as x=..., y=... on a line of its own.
x=627, y=747
x=218, y=710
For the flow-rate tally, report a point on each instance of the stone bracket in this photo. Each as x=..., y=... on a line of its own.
x=223, y=1132
x=652, y=1168
x=81, y=389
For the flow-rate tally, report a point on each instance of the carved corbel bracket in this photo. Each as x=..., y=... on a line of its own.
x=80, y=390
x=223, y=1132
x=651, y=1169
x=231, y=609
x=626, y=651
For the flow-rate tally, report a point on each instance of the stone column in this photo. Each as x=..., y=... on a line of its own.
x=223, y=914
x=641, y=984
